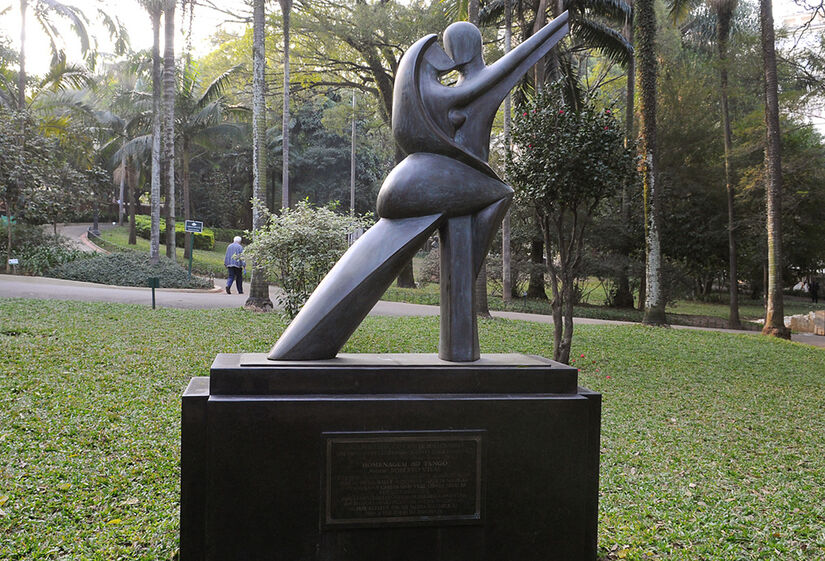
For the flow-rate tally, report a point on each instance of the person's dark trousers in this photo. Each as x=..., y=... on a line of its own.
x=236, y=276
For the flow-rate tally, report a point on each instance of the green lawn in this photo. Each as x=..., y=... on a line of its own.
x=712, y=444
x=203, y=262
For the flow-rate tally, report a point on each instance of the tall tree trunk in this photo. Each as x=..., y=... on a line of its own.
x=352, y=161
x=121, y=198
x=775, y=312
x=187, y=208
x=286, y=7
x=8, y=236
x=21, y=142
x=259, y=288
x=21, y=76
x=482, y=304
x=131, y=185
x=154, y=196
x=723, y=32
x=646, y=28
x=535, y=289
x=169, y=122
x=406, y=279
x=624, y=296
x=472, y=12
x=506, y=267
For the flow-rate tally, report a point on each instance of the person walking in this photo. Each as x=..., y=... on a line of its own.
x=234, y=265
x=814, y=290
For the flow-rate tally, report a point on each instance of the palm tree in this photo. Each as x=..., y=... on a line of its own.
x=774, y=311
x=259, y=288
x=155, y=9
x=645, y=20
x=169, y=122
x=723, y=11
x=200, y=120
x=43, y=12
x=286, y=8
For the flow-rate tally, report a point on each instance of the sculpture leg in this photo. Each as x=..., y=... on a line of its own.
x=458, y=341
x=353, y=286
x=465, y=241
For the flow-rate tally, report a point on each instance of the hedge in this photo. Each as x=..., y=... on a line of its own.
x=202, y=240
x=228, y=235
x=128, y=268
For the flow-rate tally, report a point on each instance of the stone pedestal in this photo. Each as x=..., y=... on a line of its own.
x=390, y=458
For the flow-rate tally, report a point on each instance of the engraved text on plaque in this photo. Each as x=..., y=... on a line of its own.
x=404, y=477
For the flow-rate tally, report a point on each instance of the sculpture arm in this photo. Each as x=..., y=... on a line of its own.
x=492, y=85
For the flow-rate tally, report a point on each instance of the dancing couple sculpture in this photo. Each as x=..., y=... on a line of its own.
x=444, y=183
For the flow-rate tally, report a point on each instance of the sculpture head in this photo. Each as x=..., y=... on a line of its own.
x=462, y=41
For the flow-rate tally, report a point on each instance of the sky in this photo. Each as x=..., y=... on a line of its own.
x=138, y=24
x=135, y=18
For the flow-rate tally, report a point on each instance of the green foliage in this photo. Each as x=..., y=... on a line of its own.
x=128, y=268
x=297, y=247
x=228, y=235
x=565, y=158
x=35, y=249
x=710, y=445
x=201, y=240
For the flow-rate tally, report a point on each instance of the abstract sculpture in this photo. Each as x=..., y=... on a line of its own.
x=444, y=182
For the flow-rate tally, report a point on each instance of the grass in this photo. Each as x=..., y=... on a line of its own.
x=711, y=443
x=203, y=262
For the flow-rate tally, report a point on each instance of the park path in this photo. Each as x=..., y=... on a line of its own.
x=13, y=286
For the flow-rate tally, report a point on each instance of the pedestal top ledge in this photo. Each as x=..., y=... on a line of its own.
x=512, y=373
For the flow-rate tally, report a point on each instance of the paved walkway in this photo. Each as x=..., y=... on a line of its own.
x=12, y=286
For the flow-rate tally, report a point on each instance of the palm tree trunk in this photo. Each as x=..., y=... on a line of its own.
x=131, y=185
x=775, y=312
x=624, y=297
x=723, y=32
x=169, y=122
x=646, y=28
x=472, y=12
x=482, y=305
x=506, y=268
x=259, y=288
x=154, y=197
x=121, y=200
x=286, y=7
x=187, y=211
x=21, y=76
x=8, y=235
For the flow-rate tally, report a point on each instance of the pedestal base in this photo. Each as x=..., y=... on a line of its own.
x=390, y=458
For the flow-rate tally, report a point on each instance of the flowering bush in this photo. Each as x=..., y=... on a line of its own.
x=297, y=248
x=565, y=161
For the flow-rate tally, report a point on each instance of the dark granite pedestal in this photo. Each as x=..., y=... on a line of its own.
x=389, y=458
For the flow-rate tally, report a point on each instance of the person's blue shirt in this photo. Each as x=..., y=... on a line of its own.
x=233, y=256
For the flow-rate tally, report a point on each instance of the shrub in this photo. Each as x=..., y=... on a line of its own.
x=37, y=250
x=128, y=268
x=228, y=235
x=299, y=246
x=202, y=240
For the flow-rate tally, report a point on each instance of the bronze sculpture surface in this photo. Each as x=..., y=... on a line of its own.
x=445, y=182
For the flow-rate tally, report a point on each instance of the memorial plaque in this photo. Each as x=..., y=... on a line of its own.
x=403, y=478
